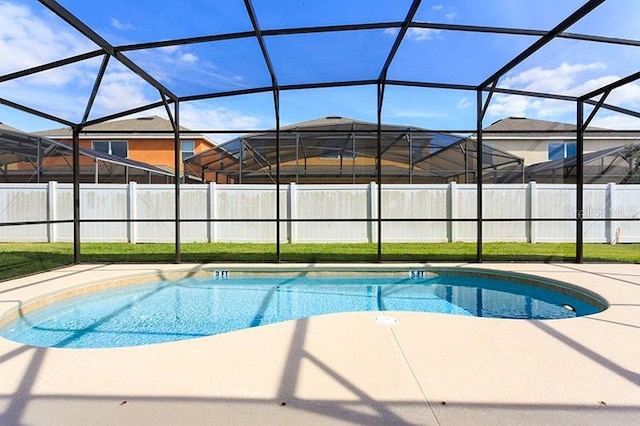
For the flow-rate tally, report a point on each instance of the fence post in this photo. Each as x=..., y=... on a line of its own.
x=132, y=228
x=452, y=206
x=372, y=213
x=610, y=213
x=532, y=212
x=292, y=210
x=52, y=207
x=212, y=212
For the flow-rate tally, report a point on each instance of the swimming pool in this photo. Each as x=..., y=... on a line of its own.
x=170, y=310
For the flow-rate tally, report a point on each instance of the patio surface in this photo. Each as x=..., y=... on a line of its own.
x=427, y=369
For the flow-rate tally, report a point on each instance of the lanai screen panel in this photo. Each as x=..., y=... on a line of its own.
x=140, y=55
x=339, y=150
x=613, y=165
x=120, y=58
x=34, y=159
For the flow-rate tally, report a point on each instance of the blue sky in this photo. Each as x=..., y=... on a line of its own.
x=30, y=35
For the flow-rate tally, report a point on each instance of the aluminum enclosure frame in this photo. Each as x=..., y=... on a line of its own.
x=484, y=90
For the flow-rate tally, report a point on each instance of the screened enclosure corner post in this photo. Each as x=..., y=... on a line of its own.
x=379, y=168
x=276, y=109
x=579, y=182
x=276, y=103
x=176, y=157
x=275, y=89
x=76, y=193
x=479, y=163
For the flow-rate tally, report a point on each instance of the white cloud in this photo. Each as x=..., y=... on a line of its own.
x=553, y=110
x=207, y=117
x=627, y=95
x=78, y=75
x=400, y=113
x=120, y=90
x=170, y=54
x=122, y=26
x=189, y=58
x=559, y=80
x=565, y=79
x=183, y=70
x=508, y=106
x=57, y=103
x=421, y=34
x=169, y=49
x=616, y=122
x=391, y=31
x=203, y=116
x=464, y=103
x=27, y=40
x=450, y=15
x=416, y=34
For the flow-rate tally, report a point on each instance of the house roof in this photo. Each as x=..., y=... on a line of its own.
x=145, y=126
x=522, y=127
x=332, y=120
x=9, y=128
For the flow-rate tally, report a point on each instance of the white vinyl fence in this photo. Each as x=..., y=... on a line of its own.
x=312, y=203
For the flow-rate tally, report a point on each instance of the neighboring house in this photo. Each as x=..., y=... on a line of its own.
x=537, y=141
x=336, y=150
x=340, y=150
x=146, y=139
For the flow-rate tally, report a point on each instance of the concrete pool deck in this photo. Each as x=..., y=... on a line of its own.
x=427, y=369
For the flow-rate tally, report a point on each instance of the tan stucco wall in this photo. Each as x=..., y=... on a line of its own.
x=535, y=150
x=157, y=152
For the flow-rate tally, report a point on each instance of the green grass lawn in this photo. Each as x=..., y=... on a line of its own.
x=18, y=259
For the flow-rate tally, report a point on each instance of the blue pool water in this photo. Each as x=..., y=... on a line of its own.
x=194, y=307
